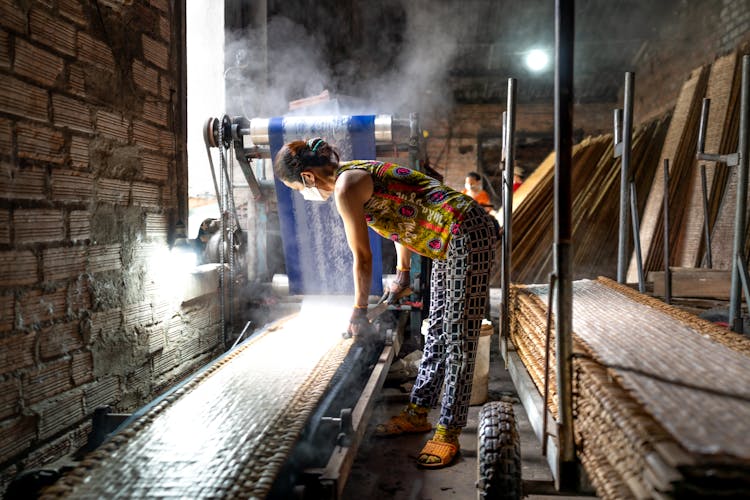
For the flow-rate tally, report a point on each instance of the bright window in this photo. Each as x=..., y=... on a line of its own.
x=205, y=98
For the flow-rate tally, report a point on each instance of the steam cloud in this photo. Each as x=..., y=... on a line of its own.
x=397, y=61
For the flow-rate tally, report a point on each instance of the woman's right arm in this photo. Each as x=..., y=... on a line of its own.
x=353, y=189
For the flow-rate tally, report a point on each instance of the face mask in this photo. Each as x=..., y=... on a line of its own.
x=311, y=193
x=470, y=187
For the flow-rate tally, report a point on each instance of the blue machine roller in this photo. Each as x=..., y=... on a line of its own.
x=312, y=233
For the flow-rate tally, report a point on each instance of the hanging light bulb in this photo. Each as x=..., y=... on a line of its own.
x=537, y=60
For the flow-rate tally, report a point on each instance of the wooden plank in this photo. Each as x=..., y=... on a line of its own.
x=694, y=282
x=679, y=147
x=724, y=194
x=721, y=89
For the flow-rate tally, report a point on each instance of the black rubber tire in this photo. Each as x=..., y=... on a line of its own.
x=498, y=453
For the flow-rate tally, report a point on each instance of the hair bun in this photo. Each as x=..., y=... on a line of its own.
x=315, y=143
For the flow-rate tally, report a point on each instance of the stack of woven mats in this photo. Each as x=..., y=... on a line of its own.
x=661, y=398
x=227, y=432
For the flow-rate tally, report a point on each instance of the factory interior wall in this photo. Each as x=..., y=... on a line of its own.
x=93, y=183
x=695, y=35
x=453, y=145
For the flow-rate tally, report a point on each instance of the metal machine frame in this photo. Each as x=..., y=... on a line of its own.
x=249, y=138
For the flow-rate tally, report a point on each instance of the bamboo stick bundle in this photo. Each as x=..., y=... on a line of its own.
x=678, y=148
x=610, y=422
x=721, y=137
x=533, y=206
x=530, y=217
x=595, y=194
x=595, y=208
x=594, y=212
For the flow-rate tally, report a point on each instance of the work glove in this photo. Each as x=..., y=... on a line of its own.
x=397, y=288
x=359, y=326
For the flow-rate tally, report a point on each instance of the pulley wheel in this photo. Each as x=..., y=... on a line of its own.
x=211, y=131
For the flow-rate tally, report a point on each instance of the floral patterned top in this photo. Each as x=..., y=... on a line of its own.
x=411, y=208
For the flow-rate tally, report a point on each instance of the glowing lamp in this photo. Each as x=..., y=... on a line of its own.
x=537, y=60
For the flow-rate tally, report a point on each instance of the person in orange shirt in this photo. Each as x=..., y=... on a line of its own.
x=517, y=178
x=473, y=187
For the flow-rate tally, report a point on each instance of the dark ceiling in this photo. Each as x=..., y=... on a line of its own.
x=609, y=34
x=389, y=53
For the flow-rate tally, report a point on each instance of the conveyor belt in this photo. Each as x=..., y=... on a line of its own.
x=227, y=432
x=661, y=398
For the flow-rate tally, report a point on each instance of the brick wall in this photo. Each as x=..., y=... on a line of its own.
x=696, y=34
x=90, y=134
x=453, y=144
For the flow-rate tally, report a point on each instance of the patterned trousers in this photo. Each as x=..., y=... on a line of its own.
x=458, y=302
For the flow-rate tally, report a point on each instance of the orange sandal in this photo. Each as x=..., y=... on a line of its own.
x=444, y=452
x=398, y=425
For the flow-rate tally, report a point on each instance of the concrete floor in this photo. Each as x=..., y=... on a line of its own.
x=386, y=468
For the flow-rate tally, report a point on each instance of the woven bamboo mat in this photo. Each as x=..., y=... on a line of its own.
x=696, y=388
x=227, y=432
x=660, y=397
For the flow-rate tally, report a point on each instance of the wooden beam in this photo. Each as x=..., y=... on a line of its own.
x=694, y=282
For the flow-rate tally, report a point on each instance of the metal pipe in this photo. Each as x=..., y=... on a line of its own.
x=383, y=128
x=414, y=141
x=637, y=237
x=627, y=134
x=230, y=235
x=504, y=138
x=745, y=279
x=387, y=128
x=730, y=159
x=547, y=342
x=667, y=272
x=705, y=108
x=564, y=36
x=242, y=334
x=706, y=226
x=617, y=128
x=740, y=212
x=504, y=289
x=420, y=266
x=508, y=140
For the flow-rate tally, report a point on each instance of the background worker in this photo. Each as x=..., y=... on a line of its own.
x=517, y=178
x=473, y=188
x=424, y=216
